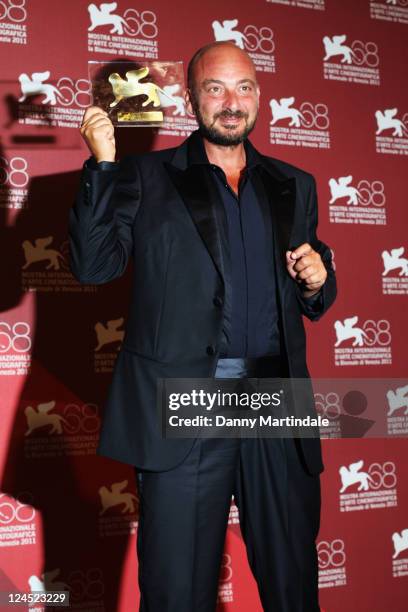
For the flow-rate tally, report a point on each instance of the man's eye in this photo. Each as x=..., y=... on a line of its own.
x=246, y=88
x=215, y=89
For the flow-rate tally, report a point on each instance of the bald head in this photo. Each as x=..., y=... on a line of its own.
x=223, y=51
x=223, y=93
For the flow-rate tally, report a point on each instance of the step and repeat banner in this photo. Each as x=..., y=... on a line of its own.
x=334, y=101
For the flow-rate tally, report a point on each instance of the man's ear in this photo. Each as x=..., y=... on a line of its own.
x=188, y=97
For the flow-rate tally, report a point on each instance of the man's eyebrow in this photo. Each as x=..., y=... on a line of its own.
x=247, y=81
x=208, y=81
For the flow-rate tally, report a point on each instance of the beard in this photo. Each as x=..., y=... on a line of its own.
x=211, y=133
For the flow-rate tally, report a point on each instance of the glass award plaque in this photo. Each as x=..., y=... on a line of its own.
x=137, y=93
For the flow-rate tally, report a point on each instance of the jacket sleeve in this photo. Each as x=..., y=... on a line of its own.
x=101, y=221
x=313, y=309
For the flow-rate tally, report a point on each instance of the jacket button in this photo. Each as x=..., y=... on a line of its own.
x=218, y=301
x=211, y=350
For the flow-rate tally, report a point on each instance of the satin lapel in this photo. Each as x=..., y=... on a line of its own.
x=281, y=195
x=200, y=196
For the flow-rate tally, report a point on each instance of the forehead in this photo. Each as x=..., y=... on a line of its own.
x=225, y=63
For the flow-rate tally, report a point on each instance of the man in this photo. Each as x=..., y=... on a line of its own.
x=226, y=261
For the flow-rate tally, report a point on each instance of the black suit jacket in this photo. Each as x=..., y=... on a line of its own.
x=160, y=209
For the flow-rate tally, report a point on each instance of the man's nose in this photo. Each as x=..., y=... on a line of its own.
x=231, y=100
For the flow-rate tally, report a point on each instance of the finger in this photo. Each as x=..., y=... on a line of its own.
x=306, y=272
x=310, y=274
x=91, y=120
x=99, y=127
x=96, y=120
x=304, y=262
x=313, y=286
x=301, y=251
x=290, y=269
x=92, y=110
x=313, y=279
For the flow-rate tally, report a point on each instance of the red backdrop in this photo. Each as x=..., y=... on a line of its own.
x=334, y=101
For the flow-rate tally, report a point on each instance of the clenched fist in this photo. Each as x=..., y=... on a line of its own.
x=98, y=132
x=305, y=266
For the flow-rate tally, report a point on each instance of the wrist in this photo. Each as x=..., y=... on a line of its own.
x=308, y=293
x=104, y=158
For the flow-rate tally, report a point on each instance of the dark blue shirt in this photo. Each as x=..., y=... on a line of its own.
x=253, y=316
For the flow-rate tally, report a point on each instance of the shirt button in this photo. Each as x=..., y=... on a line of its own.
x=211, y=350
x=218, y=301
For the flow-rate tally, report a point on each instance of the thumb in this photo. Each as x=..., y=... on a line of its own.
x=290, y=263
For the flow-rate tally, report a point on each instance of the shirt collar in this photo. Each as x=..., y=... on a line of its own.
x=197, y=153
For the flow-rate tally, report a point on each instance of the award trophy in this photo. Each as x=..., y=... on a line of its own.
x=137, y=93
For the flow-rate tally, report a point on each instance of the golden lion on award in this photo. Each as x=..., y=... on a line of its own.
x=131, y=86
